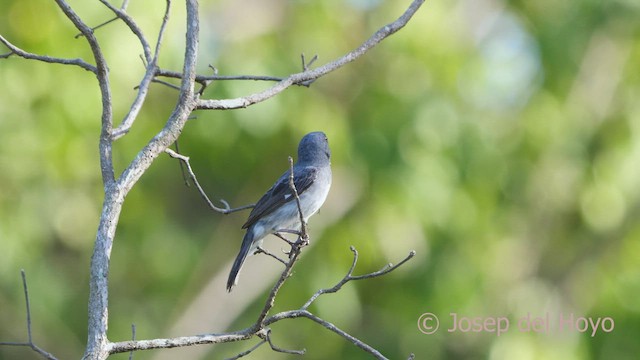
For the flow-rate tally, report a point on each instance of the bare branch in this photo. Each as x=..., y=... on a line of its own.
x=167, y=84
x=292, y=185
x=294, y=255
x=137, y=345
x=152, y=67
x=265, y=334
x=178, y=118
x=112, y=204
x=30, y=342
x=281, y=350
x=133, y=26
x=184, y=175
x=125, y=3
x=202, y=79
x=385, y=270
x=133, y=338
x=293, y=314
x=14, y=50
x=261, y=250
x=247, y=352
x=136, y=106
x=306, y=65
x=227, y=209
x=305, y=76
x=163, y=28
x=279, y=235
x=102, y=73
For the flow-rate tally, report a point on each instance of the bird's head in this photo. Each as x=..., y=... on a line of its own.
x=314, y=149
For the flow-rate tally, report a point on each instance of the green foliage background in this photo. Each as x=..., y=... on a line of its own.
x=500, y=140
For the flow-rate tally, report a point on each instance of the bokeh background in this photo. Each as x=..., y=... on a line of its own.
x=498, y=139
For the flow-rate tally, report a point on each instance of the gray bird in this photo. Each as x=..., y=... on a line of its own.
x=277, y=209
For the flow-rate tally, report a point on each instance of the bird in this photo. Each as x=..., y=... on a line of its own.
x=277, y=209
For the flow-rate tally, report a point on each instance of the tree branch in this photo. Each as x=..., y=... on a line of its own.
x=227, y=209
x=305, y=76
x=303, y=312
x=292, y=185
x=123, y=7
x=14, y=50
x=385, y=270
x=202, y=79
x=135, y=29
x=133, y=338
x=112, y=205
x=102, y=72
x=247, y=352
x=30, y=342
x=279, y=349
x=178, y=118
x=266, y=338
x=152, y=68
x=293, y=314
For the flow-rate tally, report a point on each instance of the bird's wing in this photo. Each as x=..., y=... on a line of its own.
x=280, y=193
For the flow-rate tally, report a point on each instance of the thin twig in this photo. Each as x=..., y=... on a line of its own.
x=79, y=35
x=167, y=84
x=14, y=50
x=133, y=26
x=294, y=255
x=150, y=73
x=309, y=82
x=294, y=314
x=125, y=3
x=279, y=235
x=266, y=252
x=203, y=79
x=204, y=84
x=305, y=67
x=282, y=350
x=349, y=276
x=133, y=338
x=163, y=28
x=182, y=170
x=227, y=209
x=30, y=342
x=292, y=186
x=249, y=351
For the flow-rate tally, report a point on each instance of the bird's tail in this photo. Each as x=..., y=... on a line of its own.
x=247, y=241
